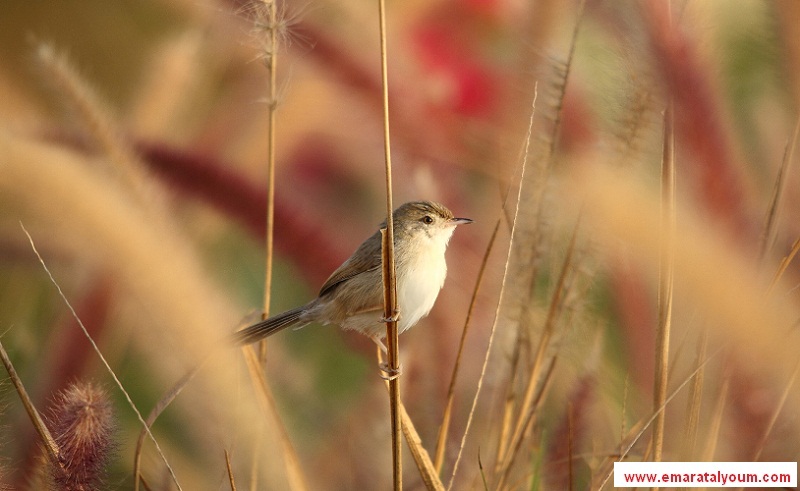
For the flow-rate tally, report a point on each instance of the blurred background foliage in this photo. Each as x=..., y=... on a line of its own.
x=182, y=88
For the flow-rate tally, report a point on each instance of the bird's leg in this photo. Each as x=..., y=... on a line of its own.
x=389, y=373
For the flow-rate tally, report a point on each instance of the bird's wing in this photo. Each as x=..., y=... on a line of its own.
x=366, y=258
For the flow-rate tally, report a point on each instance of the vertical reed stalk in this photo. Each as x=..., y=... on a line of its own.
x=501, y=295
x=272, y=66
x=390, y=307
x=666, y=277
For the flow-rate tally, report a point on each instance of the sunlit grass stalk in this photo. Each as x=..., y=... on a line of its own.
x=540, y=370
x=291, y=461
x=272, y=66
x=441, y=441
x=785, y=262
x=229, y=470
x=493, y=329
x=665, y=285
x=104, y=361
x=768, y=235
x=160, y=406
x=390, y=307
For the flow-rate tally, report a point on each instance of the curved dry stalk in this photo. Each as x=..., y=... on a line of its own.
x=294, y=471
x=493, y=329
x=50, y=445
x=785, y=262
x=104, y=361
x=159, y=408
x=444, y=428
x=229, y=469
x=427, y=470
x=768, y=235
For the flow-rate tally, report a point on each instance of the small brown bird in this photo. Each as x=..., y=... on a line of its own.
x=353, y=295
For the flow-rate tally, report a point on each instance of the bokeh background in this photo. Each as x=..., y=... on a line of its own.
x=133, y=148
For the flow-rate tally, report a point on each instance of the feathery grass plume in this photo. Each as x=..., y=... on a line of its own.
x=698, y=122
x=521, y=306
x=274, y=26
x=82, y=423
x=100, y=125
x=638, y=118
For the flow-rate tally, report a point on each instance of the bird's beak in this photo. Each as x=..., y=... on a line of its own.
x=459, y=221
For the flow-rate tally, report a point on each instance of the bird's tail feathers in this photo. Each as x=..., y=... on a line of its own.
x=270, y=326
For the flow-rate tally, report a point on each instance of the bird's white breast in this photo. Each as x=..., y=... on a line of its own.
x=422, y=280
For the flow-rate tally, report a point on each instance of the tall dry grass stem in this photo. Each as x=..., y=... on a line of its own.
x=785, y=262
x=768, y=234
x=540, y=370
x=272, y=65
x=666, y=280
x=229, y=469
x=390, y=307
x=509, y=250
x=269, y=23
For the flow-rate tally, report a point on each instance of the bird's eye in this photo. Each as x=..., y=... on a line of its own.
x=427, y=219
